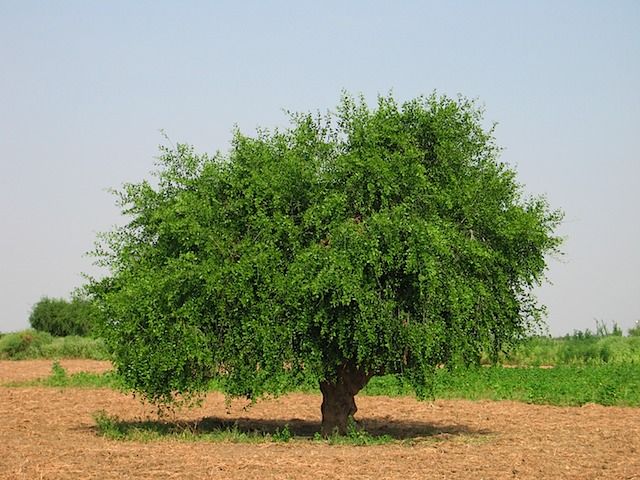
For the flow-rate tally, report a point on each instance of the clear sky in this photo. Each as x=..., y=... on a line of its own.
x=86, y=86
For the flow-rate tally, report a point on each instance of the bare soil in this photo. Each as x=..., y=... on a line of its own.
x=25, y=370
x=50, y=433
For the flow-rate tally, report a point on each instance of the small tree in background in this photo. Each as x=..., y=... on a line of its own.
x=61, y=318
x=373, y=241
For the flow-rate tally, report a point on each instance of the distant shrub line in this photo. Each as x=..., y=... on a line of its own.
x=62, y=318
x=32, y=344
x=580, y=348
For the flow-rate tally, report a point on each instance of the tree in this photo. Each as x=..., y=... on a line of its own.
x=364, y=242
x=61, y=318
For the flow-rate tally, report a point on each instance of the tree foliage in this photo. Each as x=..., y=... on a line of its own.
x=374, y=240
x=61, y=317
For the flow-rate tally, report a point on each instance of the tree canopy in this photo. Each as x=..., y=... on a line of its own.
x=363, y=242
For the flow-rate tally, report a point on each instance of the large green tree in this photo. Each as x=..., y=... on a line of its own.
x=364, y=242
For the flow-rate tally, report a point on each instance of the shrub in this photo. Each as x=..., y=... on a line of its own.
x=60, y=317
x=30, y=344
x=25, y=344
x=76, y=347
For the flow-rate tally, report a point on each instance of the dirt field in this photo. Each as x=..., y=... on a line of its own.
x=50, y=434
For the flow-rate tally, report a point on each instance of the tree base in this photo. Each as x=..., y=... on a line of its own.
x=338, y=399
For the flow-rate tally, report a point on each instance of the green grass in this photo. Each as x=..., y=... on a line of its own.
x=356, y=436
x=601, y=368
x=33, y=344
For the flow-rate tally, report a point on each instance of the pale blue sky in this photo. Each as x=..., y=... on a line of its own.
x=85, y=87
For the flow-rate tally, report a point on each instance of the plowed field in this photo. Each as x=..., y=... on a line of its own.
x=50, y=433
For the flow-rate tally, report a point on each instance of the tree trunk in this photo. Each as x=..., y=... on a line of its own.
x=338, y=402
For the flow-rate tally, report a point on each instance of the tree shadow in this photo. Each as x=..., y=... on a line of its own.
x=295, y=428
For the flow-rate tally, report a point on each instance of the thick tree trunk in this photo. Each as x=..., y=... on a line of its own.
x=338, y=402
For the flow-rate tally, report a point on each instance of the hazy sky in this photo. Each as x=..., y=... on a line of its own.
x=86, y=86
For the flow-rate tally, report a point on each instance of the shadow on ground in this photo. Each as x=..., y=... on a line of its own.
x=297, y=428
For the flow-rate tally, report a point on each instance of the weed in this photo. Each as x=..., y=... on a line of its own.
x=282, y=435
x=356, y=435
x=58, y=375
x=109, y=427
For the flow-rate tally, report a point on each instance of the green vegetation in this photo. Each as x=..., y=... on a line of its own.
x=368, y=242
x=614, y=384
x=23, y=345
x=114, y=428
x=61, y=379
x=62, y=318
x=356, y=436
x=608, y=384
x=32, y=344
x=605, y=384
x=580, y=348
x=574, y=351
x=215, y=430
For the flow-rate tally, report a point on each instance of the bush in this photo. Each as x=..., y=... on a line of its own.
x=635, y=331
x=61, y=318
x=580, y=348
x=30, y=344
x=22, y=345
x=76, y=347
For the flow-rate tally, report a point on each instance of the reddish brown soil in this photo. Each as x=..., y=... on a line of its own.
x=50, y=433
